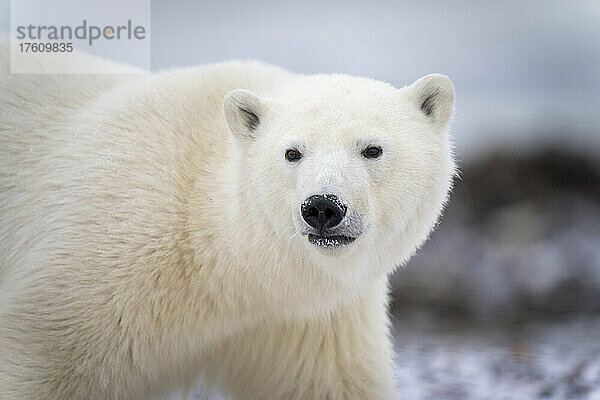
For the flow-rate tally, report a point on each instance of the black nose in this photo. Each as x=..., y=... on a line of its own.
x=322, y=212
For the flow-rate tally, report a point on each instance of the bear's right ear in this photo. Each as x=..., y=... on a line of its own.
x=243, y=113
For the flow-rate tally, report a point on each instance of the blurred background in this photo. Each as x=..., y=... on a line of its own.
x=503, y=302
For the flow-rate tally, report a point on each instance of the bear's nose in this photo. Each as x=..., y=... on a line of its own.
x=323, y=211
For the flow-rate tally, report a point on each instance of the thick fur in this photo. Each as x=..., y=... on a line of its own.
x=148, y=238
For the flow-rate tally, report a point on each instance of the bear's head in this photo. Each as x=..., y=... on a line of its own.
x=345, y=171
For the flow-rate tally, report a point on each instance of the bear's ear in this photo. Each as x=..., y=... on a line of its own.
x=243, y=113
x=434, y=96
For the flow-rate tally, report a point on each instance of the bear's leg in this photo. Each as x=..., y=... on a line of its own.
x=344, y=357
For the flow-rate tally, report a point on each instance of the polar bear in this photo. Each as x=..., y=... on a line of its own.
x=232, y=222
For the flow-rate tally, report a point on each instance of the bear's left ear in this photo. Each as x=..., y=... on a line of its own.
x=243, y=113
x=434, y=96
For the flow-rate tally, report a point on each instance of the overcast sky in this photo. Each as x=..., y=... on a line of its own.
x=522, y=69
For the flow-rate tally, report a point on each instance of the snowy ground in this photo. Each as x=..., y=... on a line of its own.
x=543, y=360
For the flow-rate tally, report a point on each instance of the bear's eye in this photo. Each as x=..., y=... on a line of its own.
x=372, y=152
x=293, y=155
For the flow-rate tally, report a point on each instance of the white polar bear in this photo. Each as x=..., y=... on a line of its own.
x=234, y=222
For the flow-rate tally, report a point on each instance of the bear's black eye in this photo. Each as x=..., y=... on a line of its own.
x=372, y=152
x=293, y=155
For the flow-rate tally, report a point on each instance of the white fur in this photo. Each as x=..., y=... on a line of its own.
x=144, y=244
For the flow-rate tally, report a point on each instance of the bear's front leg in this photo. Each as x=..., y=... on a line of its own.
x=345, y=356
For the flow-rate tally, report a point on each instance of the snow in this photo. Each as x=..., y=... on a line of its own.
x=541, y=360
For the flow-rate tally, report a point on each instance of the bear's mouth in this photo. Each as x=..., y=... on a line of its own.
x=332, y=241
